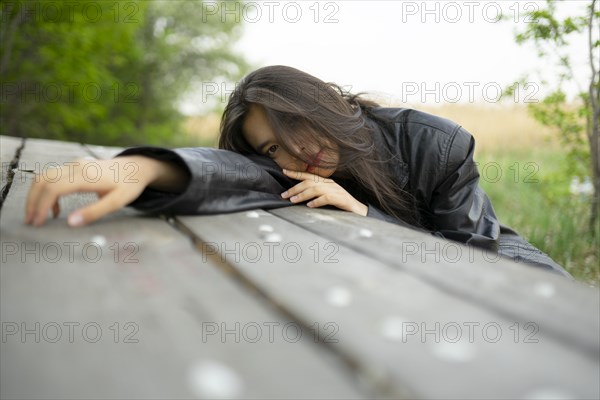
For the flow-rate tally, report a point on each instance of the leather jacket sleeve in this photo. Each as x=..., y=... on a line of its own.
x=220, y=181
x=459, y=207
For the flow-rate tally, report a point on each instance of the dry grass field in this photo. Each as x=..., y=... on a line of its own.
x=498, y=127
x=203, y=129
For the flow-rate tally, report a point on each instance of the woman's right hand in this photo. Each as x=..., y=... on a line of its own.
x=117, y=182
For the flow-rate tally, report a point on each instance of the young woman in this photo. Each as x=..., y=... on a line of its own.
x=288, y=137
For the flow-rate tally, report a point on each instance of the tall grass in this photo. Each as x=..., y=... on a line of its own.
x=533, y=198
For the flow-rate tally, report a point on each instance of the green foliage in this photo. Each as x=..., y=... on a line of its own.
x=541, y=208
x=555, y=111
x=575, y=121
x=550, y=36
x=108, y=72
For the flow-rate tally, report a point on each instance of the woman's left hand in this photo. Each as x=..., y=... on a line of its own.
x=322, y=191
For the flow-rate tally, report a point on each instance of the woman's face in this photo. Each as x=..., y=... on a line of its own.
x=260, y=136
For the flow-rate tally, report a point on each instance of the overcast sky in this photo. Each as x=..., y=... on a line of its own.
x=403, y=51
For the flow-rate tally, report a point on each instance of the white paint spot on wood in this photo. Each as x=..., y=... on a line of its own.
x=338, y=296
x=99, y=240
x=544, y=289
x=214, y=380
x=265, y=228
x=366, y=233
x=322, y=217
x=272, y=237
x=548, y=394
x=457, y=352
x=392, y=328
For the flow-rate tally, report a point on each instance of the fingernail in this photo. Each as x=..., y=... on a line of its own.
x=285, y=171
x=75, y=219
x=284, y=194
x=294, y=198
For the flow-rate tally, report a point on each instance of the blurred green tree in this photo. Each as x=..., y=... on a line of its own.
x=109, y=73
x=578, y=123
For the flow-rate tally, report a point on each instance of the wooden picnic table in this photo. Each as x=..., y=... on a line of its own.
x=286, y=303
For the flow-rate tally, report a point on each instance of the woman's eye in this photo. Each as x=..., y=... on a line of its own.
x=272, y=150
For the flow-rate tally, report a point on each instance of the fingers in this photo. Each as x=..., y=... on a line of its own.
x=350, y=204
x=43, y=207
x=55, y=209
x=306, y=194
x=32, y=199
x=308, y=180
x=297, y=175
x=304, y=176
x=39, y=201
x=319, y=202
x=43, y=197
x=321, y=193
x=110, y=202
x=294, y=190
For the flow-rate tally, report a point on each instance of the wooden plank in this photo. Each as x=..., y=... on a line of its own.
x=375, y=309
x=103, y=152
x=8, y=151
x=166, y=298
x=8, y=147
x=516, y=290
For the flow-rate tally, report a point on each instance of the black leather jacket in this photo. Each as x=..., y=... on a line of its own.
x=432, y=158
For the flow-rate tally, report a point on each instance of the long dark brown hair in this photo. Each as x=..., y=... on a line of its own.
x=303, y=109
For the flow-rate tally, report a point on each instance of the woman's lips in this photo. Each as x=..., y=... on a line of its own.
x=314, y=162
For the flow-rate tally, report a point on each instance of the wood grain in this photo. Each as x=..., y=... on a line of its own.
x=508, y=288
x=373, y=307
x=143, y=307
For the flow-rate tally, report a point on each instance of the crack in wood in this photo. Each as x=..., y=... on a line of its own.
x=10, y=173
x=373, y=382
x=92, y=153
